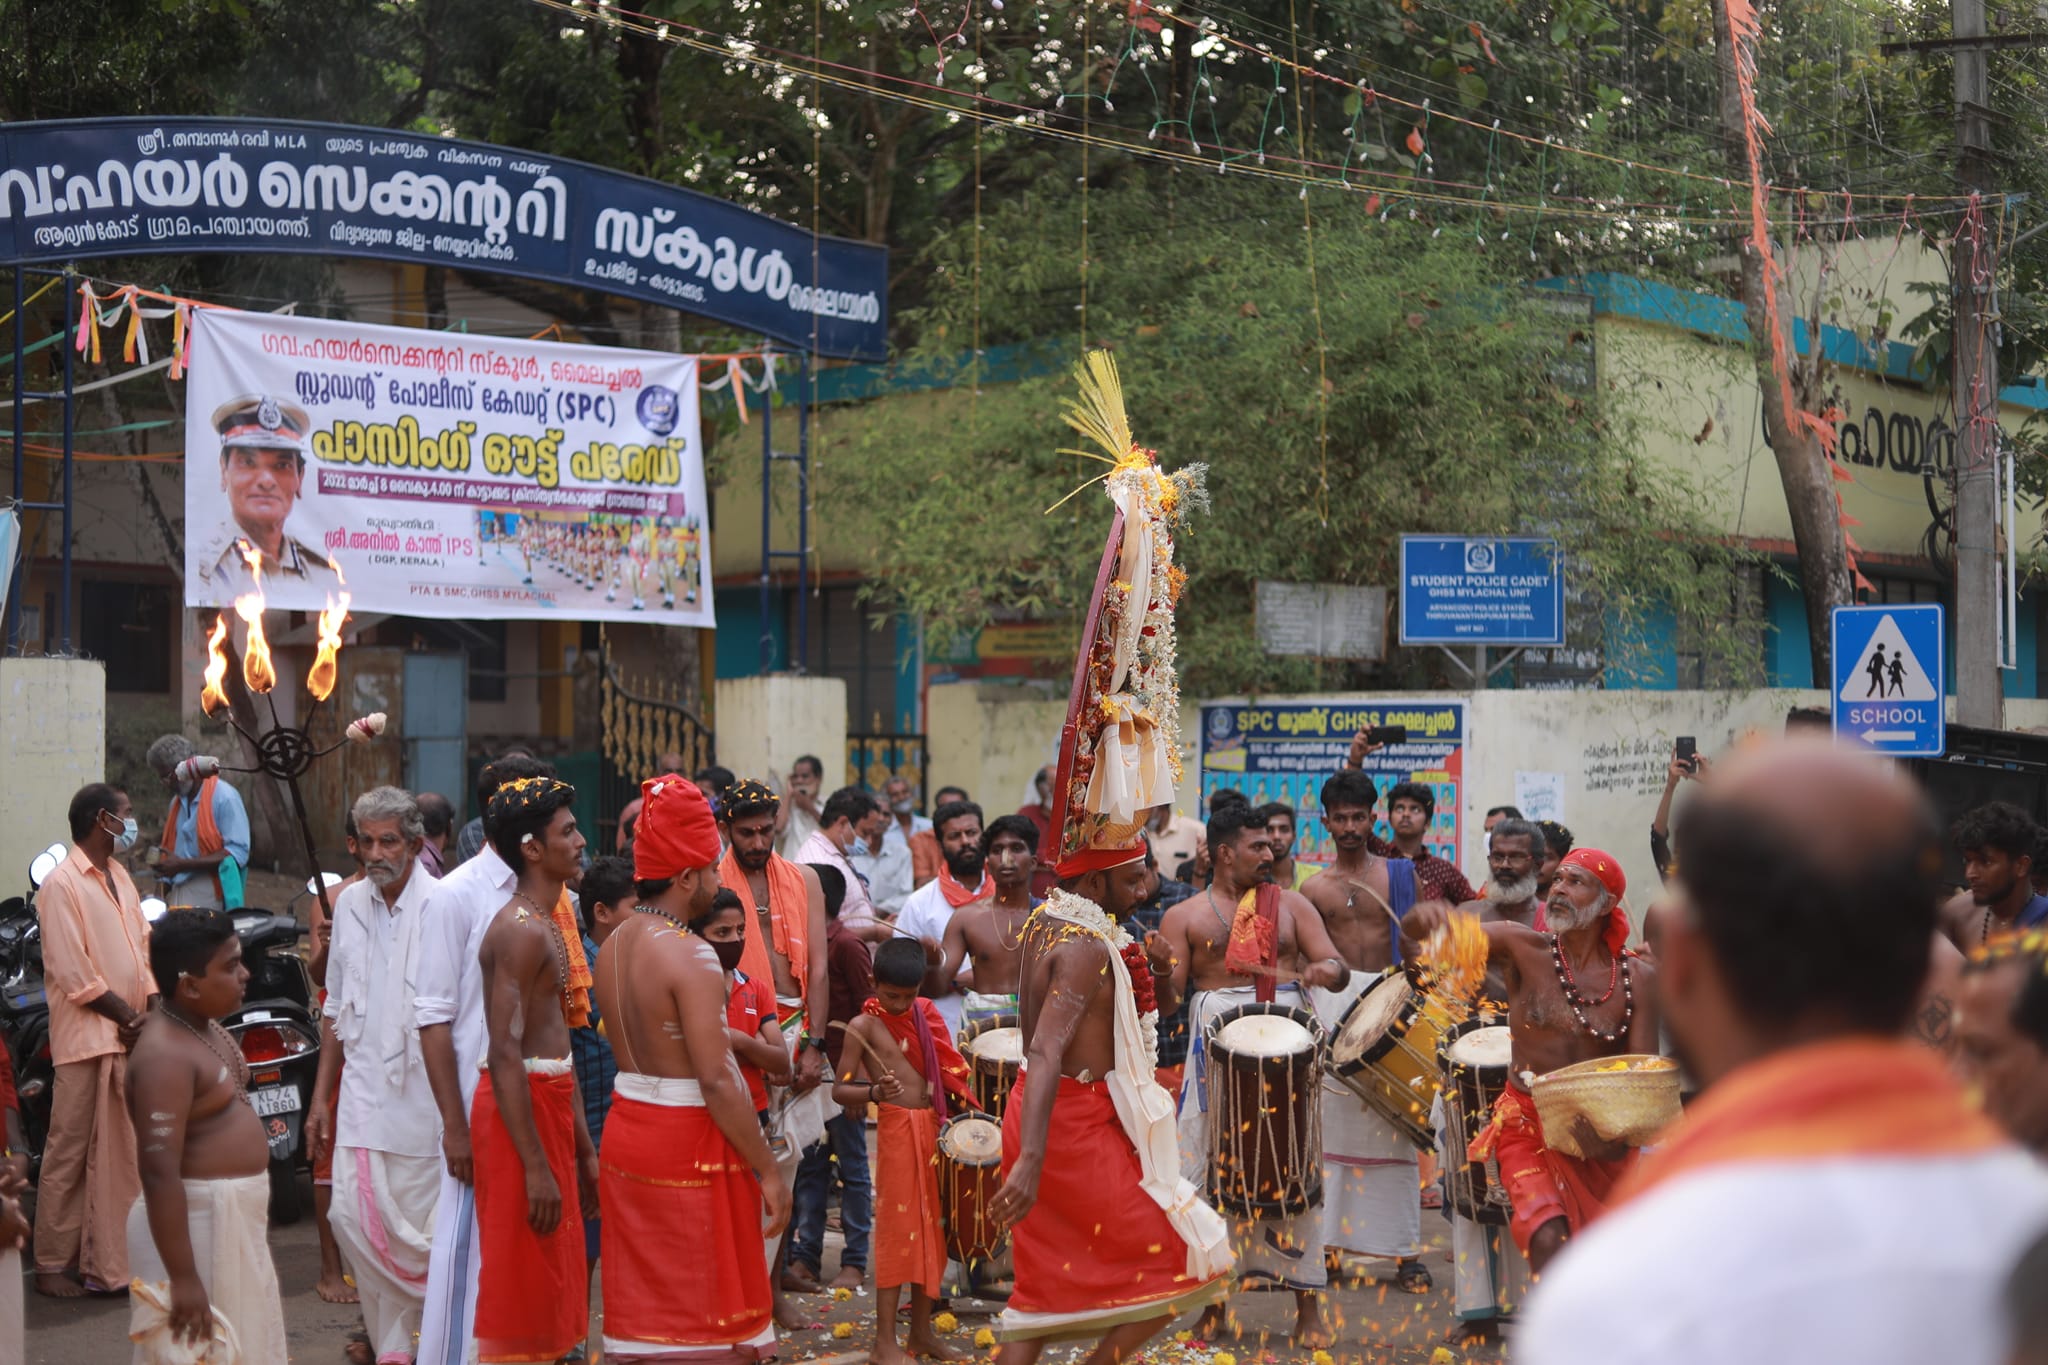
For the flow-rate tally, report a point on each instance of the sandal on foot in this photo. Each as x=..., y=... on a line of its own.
x=1412, y=1277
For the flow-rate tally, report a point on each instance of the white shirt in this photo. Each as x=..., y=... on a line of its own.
x=925, y=915
x=449, y=979
x=856, y=911
x=1876, y=1260
x=796, y=832
x=889, y=872
x=372, y=972
x=1176, y=844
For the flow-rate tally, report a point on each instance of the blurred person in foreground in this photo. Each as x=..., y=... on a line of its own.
x=1831, y=1195
x=2002, y=1035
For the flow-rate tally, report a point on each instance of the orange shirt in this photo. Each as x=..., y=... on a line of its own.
x=94, y=941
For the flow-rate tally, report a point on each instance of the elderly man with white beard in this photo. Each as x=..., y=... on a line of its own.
x=386, y=1131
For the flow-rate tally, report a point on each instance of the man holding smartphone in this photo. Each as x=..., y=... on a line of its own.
x=1411, y=806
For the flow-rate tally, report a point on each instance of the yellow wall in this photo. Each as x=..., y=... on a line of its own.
x=990, y=738
x=53, y=742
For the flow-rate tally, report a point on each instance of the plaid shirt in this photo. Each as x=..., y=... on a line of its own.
x=592, y=1057
x=1173, y=1028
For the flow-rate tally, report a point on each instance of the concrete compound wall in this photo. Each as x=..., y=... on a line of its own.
x=990, y=738
x=53, y=740
x=766, y=724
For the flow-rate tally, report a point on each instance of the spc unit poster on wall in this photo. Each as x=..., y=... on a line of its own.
x=1284, y=751
x=442, y=475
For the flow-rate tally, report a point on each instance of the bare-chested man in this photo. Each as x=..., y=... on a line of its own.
x=990, y=932
x=1198, y=932
x=1093, y=1245
x=682, y=1135
x=536, y=1169
x=1574, y=994
x=1997, y=843
x=196, y=1238
x=1372, y=1196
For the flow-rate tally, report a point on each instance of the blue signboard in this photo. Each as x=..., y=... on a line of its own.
x=77, y=189
x=1888, y=678
x=1499, y=591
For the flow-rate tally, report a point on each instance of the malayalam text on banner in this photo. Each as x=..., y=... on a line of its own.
x=1285, y=751
x=442, y=475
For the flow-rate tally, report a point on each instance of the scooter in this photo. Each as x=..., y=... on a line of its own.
x=279, y=1034
x=24, y=1007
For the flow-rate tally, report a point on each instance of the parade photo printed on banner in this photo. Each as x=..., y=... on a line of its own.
x=433, y=474
x=1285, y=752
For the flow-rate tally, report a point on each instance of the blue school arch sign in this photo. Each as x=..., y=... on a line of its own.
x=1889, y=669
x=82, y=188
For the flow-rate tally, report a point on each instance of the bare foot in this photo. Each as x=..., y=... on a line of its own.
x=55, y=1284
x=358, y=1351
x=336, y=1289
x=1214, y=1323
x=932, y=1348
x=1311, y=1332
x=849, y=1277
x=790, y=1318
x=887, y=1352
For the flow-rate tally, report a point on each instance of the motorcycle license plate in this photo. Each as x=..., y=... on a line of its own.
x=282, y=1099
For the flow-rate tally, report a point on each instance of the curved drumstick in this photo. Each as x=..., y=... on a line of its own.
x=872, y=1055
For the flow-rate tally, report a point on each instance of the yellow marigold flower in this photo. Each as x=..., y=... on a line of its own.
x=842, y=1330
x=1223, y=1358
x=1442, y=1356
x=946, y=1322
x=842, y=1295
x=1321, y=1358
x=984, y=1339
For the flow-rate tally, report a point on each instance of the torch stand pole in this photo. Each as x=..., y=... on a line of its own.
x=312, y=857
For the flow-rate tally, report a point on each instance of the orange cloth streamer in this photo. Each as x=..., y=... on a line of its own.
x=576, y=1000
x=1254, y=948
x=1846, y=1097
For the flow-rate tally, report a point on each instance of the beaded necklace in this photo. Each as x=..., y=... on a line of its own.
x=236, y=1064
x=1618, y=973
x=555, y=944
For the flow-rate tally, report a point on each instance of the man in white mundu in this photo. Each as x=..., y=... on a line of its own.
x=386, y=1130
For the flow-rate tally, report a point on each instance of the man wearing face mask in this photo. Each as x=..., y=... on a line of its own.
x=206, y=826
x=884, y=858
x=96, y=970
x=386, y=1130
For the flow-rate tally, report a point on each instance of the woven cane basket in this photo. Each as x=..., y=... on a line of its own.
x=1632, y=1106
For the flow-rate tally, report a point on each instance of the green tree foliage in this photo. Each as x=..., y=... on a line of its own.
x=1437, y=413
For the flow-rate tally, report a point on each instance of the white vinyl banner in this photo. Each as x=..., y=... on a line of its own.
x=441, y=475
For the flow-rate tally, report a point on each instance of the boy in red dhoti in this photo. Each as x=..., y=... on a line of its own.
x=534, y=1163
x=904, y=1059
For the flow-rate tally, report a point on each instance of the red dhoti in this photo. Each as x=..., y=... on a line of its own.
x=1095, y=1250
x=532, y=1297
x=1543, y=1183
x=909, y=1241
x=670, y=1180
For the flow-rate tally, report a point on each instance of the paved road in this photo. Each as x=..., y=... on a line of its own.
x=1375, y=1322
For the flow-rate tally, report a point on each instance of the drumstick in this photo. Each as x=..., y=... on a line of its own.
x=870, y=1053
x=1376, y=896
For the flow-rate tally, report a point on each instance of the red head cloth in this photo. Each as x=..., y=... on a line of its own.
x=1083, y=861
x=676, y=831
x=1605, y=866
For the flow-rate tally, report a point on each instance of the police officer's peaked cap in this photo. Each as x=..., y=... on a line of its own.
x=257, y=419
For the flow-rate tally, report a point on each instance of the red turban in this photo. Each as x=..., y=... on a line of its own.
x=1083, y=861
x=676, y=831
x=1605, y=866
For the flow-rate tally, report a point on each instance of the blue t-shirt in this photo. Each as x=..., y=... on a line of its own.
x=2033, y=913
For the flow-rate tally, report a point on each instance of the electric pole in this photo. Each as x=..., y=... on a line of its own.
x=1980, y=691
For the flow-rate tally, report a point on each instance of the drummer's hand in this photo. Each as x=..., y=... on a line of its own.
x=1017, y=1196
x=1158, y=952
x=1590, y=1142
x=887, y=1088
x=1330, y=974
x=934, y=953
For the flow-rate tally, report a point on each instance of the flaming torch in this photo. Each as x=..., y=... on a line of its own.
x=283, y=751
x=320, y=681
x=213, y=698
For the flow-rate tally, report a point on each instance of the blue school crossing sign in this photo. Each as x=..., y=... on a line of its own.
x=1888, y=678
